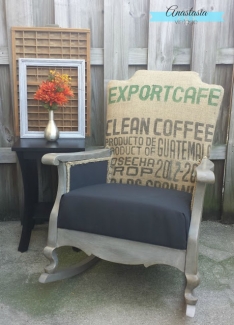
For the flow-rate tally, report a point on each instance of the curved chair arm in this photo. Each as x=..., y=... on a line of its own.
x=204, y=175
x=56, y=158
x=60, y=160
x=204, y=172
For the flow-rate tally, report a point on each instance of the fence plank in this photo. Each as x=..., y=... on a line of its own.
x=228, y=202
x=3, y=34
x=138, y=42
x=204, y=43
x=88, y=14
x=218, y=152
x=41, y=18
x=9, y=198
x=7, y=156
x=225, y=56
x=23, y=16
x=6, y=116
x=182, y=40
x=182, y=33
x=223, y=76
x=204, y=46
x=61, y=13
x=43, y=12
x=20, y=15
x=160, y=42
x=116, y=42
x=4, y=57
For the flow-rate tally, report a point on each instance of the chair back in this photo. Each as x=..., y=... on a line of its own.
x=160, y=124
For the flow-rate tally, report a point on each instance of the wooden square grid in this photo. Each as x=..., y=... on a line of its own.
x=52, y=43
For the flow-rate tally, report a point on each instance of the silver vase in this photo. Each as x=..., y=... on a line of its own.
x=51, y=132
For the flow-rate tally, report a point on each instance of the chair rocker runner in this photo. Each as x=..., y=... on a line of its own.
x=140, y=200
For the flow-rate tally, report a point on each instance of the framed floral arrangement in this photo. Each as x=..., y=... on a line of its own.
x=60, y=87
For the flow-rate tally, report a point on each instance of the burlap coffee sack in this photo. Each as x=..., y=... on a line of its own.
x=160, y=124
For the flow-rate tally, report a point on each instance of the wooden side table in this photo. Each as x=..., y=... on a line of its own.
x=29, y=152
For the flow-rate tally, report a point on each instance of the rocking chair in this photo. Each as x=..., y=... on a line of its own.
x=140, y=200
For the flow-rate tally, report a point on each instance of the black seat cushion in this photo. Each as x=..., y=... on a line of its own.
x=145, y=214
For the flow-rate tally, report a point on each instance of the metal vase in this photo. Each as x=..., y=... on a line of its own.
x=51, y=132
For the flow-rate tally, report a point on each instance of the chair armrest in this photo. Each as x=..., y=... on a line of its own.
x=204, y=172
x=56, y=158
x=60, y=160
x=204, y=175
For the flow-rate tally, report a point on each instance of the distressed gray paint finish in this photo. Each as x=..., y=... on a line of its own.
x=119, y=250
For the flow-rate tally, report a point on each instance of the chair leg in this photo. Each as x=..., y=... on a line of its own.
x=51, y=275
x=51, y=254
x=193, y=281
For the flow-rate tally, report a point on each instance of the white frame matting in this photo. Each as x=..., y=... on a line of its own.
x=23, y=64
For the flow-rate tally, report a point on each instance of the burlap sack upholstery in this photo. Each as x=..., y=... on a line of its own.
x=160, y=124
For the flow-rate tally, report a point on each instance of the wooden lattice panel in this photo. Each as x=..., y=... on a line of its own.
x=50, y=43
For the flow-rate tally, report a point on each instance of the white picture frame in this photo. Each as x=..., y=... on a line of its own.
x=23, y=64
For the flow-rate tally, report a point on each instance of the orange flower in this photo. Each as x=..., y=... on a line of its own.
x=55, y=91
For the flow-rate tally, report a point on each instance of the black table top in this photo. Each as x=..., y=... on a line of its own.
x=42, y=145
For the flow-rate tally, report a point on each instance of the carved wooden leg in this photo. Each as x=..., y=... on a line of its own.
x=51, y=254
x=51, y=275
x=192, y=282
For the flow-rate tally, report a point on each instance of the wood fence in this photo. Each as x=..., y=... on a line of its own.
x=123, y=41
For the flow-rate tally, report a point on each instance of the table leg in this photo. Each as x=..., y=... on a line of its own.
x=30, y=182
